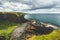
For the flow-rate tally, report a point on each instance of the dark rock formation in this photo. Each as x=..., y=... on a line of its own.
x=31, y=30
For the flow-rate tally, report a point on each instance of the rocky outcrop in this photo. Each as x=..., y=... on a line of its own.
x=18, y=32
x=30, y=30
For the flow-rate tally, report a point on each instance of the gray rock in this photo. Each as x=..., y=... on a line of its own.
x=18, y=32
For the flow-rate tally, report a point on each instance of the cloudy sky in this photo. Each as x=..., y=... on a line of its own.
x=30, y=6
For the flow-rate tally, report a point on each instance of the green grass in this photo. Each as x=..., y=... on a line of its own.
x=52, y=36
x=6, y=28
x=55, y=35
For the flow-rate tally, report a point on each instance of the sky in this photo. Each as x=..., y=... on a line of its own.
x=30, y=6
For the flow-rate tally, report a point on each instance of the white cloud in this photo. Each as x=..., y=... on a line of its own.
x=30, y=6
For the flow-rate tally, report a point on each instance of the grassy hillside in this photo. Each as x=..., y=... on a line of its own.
x=7, y=26
x=55, y=35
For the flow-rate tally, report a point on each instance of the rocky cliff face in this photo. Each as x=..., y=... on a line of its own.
x=14, y=17
x=31, y=29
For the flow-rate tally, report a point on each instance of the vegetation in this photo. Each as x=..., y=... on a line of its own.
x=7, y=25
x=55, y=35
x=6, y=28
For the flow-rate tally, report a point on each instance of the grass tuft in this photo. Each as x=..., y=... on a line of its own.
x=6, y=28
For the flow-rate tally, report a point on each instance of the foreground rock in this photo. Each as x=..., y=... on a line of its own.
x=18, y=32
x=27, y=30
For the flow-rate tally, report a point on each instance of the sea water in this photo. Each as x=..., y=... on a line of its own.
x=48, y=18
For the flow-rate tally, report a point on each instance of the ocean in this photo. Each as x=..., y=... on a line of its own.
x=48, y=18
